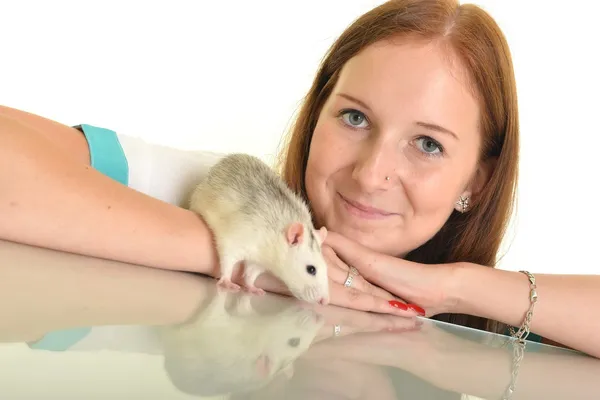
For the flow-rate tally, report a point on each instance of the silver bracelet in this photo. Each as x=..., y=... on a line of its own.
x=525, y=330
x=518, y=354
x=521, y=335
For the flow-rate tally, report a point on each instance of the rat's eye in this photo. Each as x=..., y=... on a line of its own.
x=311, y=269
x=294, y=342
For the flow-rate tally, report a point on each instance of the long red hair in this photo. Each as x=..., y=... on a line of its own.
x=476, y=39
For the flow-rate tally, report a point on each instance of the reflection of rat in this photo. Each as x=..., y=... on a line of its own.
x=256, y=218
x=231, y=347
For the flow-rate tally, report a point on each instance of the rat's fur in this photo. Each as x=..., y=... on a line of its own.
x=256, y=218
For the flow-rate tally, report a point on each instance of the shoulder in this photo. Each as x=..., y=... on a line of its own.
x=165, y=172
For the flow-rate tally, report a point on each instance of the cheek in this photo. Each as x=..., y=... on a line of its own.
x=324, y=161
x=324, y=145
x=435, y=189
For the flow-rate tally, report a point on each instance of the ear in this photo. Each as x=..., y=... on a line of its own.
x=478, y=181
x=263, y=366
x=322, y=234
x=295, y=233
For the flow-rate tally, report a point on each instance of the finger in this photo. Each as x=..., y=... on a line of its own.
x=353, y=253
x=356, y=320
x=359, y=346
x=330, y=255
x=360, y=283
x=340, y=275
x=355, y=299
x=368, y=262
x=380, y=323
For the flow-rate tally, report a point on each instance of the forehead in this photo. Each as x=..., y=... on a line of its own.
x=413, y=80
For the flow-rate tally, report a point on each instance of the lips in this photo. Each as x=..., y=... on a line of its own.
x=363, y=210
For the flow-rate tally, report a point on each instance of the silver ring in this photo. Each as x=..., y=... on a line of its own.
x=352, y=272
x=337, y=330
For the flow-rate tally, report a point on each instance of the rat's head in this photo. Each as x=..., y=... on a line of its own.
x=304, y=269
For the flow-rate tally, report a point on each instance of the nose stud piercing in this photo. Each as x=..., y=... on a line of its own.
x=387, y=178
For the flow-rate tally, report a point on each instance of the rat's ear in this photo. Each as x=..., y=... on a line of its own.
x=263, y=366
x=322, y=234
x=295, y=233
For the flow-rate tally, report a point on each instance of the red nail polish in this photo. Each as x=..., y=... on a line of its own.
x=399, y=305
x=417, y=309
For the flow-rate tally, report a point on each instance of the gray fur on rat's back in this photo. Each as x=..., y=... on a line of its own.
x=249, y=207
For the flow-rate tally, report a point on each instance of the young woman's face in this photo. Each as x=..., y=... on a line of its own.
x=394, y=148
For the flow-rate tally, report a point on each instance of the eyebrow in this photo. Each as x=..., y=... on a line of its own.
x=354, y=99
x=426, y=125
x=436, y=128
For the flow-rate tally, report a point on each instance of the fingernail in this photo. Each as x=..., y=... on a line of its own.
x=416, y=309
x=397, y=304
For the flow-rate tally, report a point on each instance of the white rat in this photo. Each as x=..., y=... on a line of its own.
x=256, y=218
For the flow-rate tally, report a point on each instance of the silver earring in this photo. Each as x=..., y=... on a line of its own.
x=463, y=203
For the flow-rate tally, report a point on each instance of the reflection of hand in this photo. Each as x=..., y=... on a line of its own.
x=454, y=363
x=327, y=378
x=422, y=349
x=338, y=379
x=427, y=353
x=420, y=284
x=340, y=321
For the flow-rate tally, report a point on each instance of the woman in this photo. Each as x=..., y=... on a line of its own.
x=406, y=149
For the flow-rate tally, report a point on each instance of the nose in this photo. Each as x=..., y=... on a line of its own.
x=374, y=165
x=323, y=301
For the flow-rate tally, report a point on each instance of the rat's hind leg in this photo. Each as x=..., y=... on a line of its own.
x=251, y=272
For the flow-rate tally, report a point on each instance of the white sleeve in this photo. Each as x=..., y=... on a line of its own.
x=166, y=173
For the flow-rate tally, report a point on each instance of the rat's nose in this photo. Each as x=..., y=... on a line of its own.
x=323, y=301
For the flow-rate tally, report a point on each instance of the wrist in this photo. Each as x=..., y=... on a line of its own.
x=202, y=257
x=490, y=293
x=458, y=291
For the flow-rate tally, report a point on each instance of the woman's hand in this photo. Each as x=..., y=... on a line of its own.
x=427, y=288
x=360, y=294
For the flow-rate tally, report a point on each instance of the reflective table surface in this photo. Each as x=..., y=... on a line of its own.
x=74, y=327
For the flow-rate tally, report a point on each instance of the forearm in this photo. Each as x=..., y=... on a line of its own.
x=51, y=200
x=71, y=291
x=567, y=310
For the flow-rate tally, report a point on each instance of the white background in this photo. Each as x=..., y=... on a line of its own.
x=228, y=75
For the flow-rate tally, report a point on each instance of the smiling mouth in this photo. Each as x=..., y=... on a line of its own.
x=363, y=211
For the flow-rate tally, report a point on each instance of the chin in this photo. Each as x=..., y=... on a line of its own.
x=379, y=240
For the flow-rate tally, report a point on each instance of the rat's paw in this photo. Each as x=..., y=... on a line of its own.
x=255, y=290
x=226, y=284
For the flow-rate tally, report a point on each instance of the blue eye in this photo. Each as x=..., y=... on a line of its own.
x=429, y=146
x=354, y=118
